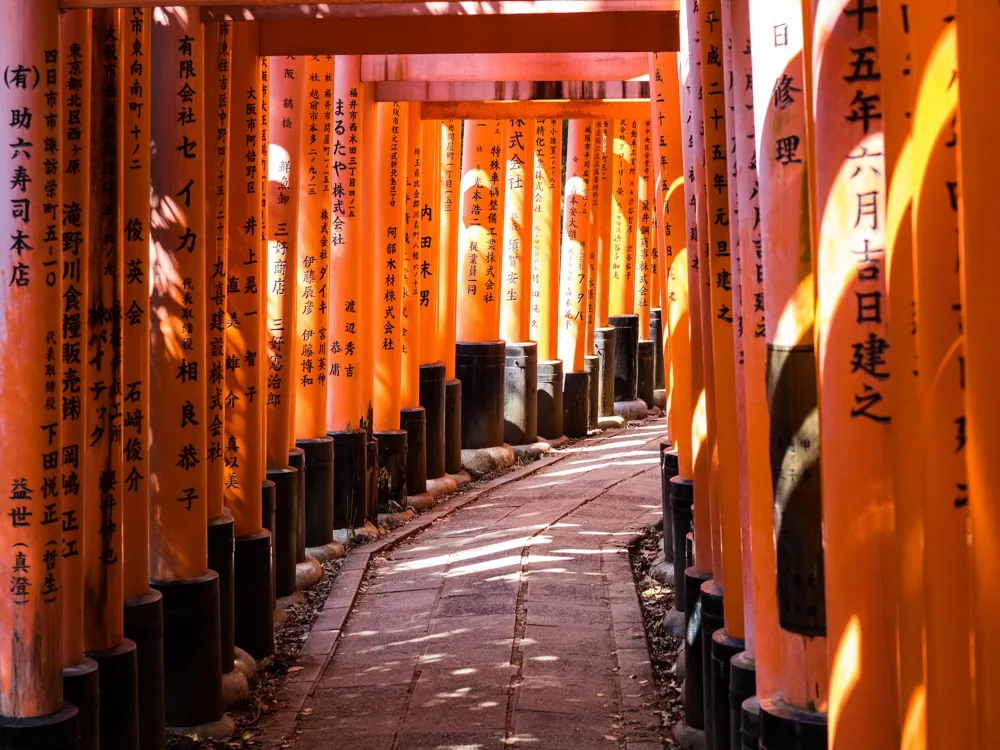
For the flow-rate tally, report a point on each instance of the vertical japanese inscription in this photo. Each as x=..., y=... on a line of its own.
x=515, y=311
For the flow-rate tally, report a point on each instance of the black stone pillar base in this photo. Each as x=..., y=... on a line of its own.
x=297, y=460
x=592, y=365
x=682, y=517
x=350, y=462
x=742, y=685
x=626, y=356
x=81, y=688
x=284, y=534
x=695, y=677
x=668, y=470
x=392, y=454
x=432, y=390
x=144, y=627
x=724, y=648
x=644, y=373
x=656, y=336
x=785, y=727
x=750, y=725
x=220, y=559
x=118, y=677
x=453, y=426
x=576, y=404
x=414, y=423
x=58, y=731
x=604, y=349
x=712, y=620
x=550, y=399
x=192, y=650
x=520, y=408
x=254, y=611
x=319, y=490
x=267, y=511
x=480, y=366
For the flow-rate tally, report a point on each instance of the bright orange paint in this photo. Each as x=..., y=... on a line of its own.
x=545, y=246
x=515, y=302
x=575, y=239
x=410, y=261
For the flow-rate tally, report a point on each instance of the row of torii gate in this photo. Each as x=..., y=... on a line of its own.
x=274, y=266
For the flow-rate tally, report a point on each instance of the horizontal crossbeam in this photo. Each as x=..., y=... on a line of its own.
x=449, y=91
x=579, y=66
x=630, y=109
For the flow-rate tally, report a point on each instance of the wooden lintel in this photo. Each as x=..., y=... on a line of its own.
x=580, y=66
x=627, y=109
x=622, y=31
x=451, y=91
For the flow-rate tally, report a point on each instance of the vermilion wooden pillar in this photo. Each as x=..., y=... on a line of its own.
x=515, y=302
x=409, y=266
x=596, y=211
x=854, y=402
x=642, y=290
x=178, y=373
x=621, y=157
x=429, y=268
x=449, y=204
x=545, y=248
x=605, y=223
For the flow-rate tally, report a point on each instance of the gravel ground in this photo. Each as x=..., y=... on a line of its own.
x=656, y=600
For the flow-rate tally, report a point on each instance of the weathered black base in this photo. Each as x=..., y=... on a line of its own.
x=712, y=620
x=576, y=404
x=350, y=461
x=319, y=490
x=785, y=727
x=191, y=650
x=59, y=731
x=144, y=627
x=644, y=382
x=694, y=670
x=284, y=534
x=267, y=513
x=117, y=673
x=453, y=426
x=682, y=518
x=626, y=356
x=592, y=365
x=480, y=367
x=414, y=423
x=656, y=336
x=220, y=559
x=724, y=648
x=550, y=399
x=297, y=460
x=81, y=688
x=520, y=408
x=432, y=389
x=254, y=612
x=668, y=470
x=604, y=349
x=750, y=725
x=392, y=452
x=371, y=496
x=742, y=685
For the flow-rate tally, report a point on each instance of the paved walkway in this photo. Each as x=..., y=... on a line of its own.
x=512, y=621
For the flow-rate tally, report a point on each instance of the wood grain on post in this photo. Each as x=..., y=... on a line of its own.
x=515, y=301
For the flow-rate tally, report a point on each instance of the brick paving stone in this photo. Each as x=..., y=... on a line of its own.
x=510, y=622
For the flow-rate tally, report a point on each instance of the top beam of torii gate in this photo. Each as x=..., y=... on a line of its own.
x=403, y=27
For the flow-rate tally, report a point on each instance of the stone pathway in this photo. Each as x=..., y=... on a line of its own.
x=511, y=622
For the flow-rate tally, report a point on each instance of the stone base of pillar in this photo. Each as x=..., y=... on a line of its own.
x=392, y=453
x=520, y=408
x=550, y=399
x=644, y=373
x=626, y=356
x=307, y=573
x=118, y=679
x=144, y=627
x=480, y=461
x=783, y=726
x=612, y=423
x=268, y=497
x=631, y=411
x=724, y=648
x=453, y=426
x=220, y=559
x=535, y=450
x=681, y=521
x=656, y=336
x=319, y=490
x=712, y=620
x=284, y=534
x=750, y=724
x=480, y=367
x=191, y=656
x=432, y=398
x=742, y=685
x=81, y=688
x=669, y=465
x=332, y=550
x=576, y=404
x=448, y=484
x=350, y=460
x=371, y=490
x=694, y=672
x=235, y=689
x=604, y=349
x=414, y=422
x=660, y=399
x=58, y=731
x=592, y=365
x=253, y=609
x=297, y=460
